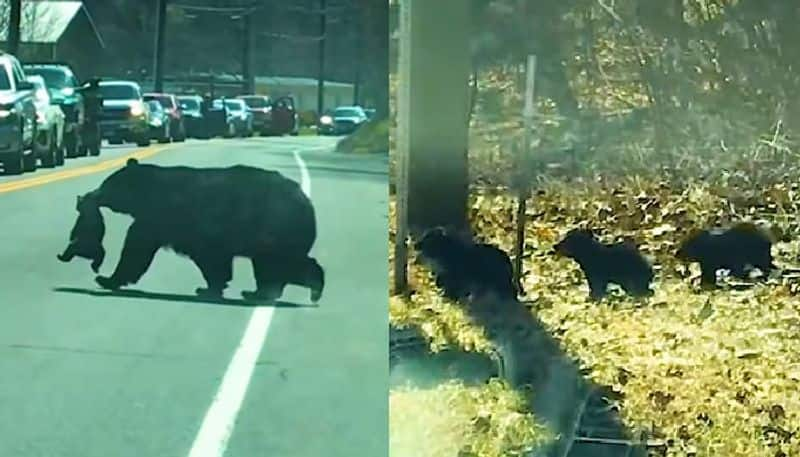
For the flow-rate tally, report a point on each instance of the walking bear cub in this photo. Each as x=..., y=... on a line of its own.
x=739, y=249
x=618, y=263
x=86, y=237
x=464, y=269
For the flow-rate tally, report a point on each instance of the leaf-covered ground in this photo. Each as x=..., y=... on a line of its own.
x=712, y=373
x=457, y=420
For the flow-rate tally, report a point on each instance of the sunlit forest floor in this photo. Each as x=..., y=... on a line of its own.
x=710, y=373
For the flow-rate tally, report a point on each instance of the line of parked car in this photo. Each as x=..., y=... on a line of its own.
x=43, y=117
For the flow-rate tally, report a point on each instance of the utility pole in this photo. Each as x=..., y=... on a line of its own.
x=161, y=22
x=247, y=57
x=323, y=19
x=359, y=53
x=15, y=17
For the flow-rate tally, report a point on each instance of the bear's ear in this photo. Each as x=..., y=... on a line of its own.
x=132, y=161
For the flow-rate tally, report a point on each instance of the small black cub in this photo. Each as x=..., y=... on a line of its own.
x=465, y=269
x=86, y=237
x=739, y=249
x=619, y=263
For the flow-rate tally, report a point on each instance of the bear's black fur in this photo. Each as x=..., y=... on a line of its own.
x=86, y=236
x=738, y=249
x=618, y=263
x=465, y=269
x=212, y=215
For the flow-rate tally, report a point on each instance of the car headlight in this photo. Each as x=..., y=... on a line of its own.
x=4, y=113
x=157, y=122
x=137, y=110
x=326, y=120
x=68, y=91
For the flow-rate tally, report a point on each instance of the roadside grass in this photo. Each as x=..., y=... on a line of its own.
x=457, y=420
x=370, y=138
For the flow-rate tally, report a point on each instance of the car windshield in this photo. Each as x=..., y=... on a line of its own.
x=189, y=104
x=165, y=100
x=234, y=105
x=347, y=112
x=5, y=83
x=155, y=106
x=119, y=92
x=54, y=78
x=256, y=102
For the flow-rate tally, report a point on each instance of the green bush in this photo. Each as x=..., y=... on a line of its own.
x=307, y=118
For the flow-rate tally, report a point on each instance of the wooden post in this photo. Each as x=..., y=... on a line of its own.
x=432, y=133
x=323, y=23
x=523, y=165
x=161, y=22
x=14, y=20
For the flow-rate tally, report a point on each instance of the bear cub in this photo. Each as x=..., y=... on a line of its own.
x=738, y=249
x=602, y=264
x=464, y=269
x=86, y=237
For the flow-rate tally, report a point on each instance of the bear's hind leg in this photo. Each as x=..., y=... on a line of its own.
x=217, y=270
x=270, y=280
x=137, y=254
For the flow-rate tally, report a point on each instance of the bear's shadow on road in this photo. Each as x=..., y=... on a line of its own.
x=140, y=294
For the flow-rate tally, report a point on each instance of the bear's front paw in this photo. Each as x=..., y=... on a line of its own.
x=107, y=283
x=63, y=258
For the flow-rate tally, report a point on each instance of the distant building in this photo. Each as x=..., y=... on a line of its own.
x=57, y=31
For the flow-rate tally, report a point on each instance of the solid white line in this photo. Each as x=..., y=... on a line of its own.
x=305, y=179
x=212, y=438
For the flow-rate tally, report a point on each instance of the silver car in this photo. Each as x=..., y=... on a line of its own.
x=50, y=120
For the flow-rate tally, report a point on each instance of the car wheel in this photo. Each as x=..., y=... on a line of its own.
x=60, y=154
x=29, y=162
x=71, y=144
x=95, y=150
x=165, y=135
x=144, y=141
x=49, y=158
x=181, y=133
x=13, y=166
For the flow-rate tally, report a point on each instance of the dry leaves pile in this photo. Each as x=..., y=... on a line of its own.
x=454, y=419
x=712, y=373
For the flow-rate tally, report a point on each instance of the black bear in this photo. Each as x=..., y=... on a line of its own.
x=86, y=236
x=465, y=269
x=739, y=249
x=212, y=215
x=618, y=263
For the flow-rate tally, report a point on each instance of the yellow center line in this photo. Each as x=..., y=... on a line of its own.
x=80, y=171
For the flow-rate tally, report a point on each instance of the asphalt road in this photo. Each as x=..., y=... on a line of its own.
x=85, y=373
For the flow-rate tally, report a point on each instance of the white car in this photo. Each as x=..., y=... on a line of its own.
x=49, y=143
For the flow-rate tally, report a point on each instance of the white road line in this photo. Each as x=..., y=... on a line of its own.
x=212, y=438
x=305, y=179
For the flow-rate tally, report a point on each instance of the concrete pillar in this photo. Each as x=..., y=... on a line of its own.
x=433, y=113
